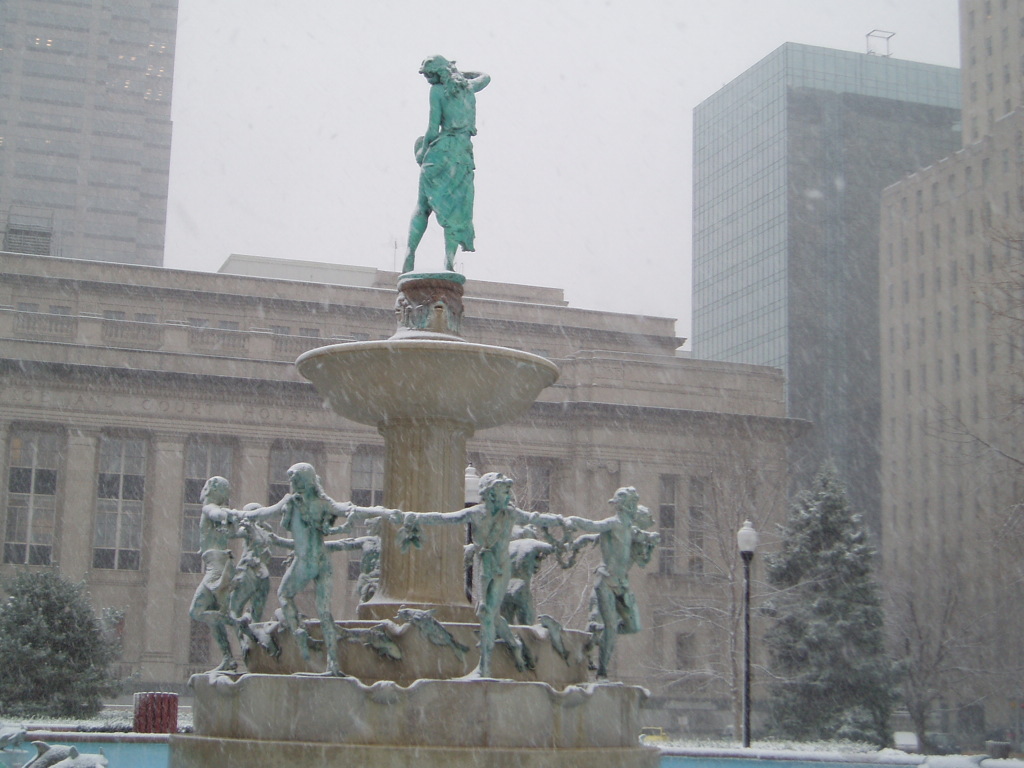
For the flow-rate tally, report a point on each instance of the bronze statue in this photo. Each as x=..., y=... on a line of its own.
x=623, y=543
x=445, y=155
x=309, y=514
x=210, y=604
x=492, y=521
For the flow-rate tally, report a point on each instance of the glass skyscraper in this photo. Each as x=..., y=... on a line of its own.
x=790, y=160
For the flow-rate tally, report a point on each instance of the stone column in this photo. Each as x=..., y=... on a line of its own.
x=79, y=503
x=424, y=470
x=165, y=483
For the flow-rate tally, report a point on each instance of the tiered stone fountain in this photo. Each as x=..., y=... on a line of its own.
x=426, y=390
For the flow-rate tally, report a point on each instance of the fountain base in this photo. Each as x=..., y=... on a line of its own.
x=469, y=722
x=403, y=654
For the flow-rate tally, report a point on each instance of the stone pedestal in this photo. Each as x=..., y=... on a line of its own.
x=469, y=723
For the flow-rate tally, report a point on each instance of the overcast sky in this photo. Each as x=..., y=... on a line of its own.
x=294, y=124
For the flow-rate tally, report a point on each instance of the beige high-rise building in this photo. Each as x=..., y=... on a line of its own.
x=951, y=333
x=85, y=127
x=123, y=388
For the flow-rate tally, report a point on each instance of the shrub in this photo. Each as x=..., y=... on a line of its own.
x=55, y=656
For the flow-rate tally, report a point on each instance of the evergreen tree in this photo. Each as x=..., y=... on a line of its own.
x=54, y=654
x=832, y=677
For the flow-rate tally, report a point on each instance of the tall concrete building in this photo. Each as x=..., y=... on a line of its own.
x=790, y=159
x=85, y=127
x=951, y=330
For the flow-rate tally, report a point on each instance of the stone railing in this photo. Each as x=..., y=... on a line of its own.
x=91, y=330
x=218, y=340
x=35, y=325
x=122, y=333
x=290, y=347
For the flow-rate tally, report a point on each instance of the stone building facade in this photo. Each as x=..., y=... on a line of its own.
x=122, y=388
x=950, y=336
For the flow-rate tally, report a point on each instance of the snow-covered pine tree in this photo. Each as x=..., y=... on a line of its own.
x=55, y=657
x=831, y=675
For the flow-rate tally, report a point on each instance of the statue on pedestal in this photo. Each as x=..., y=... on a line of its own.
x=445, y=156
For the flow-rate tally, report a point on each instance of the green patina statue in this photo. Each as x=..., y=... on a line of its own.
x=213, y=601
x=526, y=553
x=251, y=583
x=492, y=521
x=623, y=544
x=445, y=155
x=309, y=514
x=525, y=556
x=210, y=604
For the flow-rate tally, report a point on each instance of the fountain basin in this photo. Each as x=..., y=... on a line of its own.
x=374, y=382
x=429, y=723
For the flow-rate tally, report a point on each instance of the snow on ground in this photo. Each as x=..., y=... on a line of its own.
x=118, y=719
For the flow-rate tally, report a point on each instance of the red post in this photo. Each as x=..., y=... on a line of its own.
x=156, y=713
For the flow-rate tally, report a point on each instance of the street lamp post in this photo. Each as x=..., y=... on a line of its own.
x=746, y=539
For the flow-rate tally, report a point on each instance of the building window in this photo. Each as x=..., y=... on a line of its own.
x=203, y=460
x=198, y=642
x=698, y=506
x=32, y=497
x=368, y=479
x=120, y=490
x=367, y=491
x=533, y=484
x=686, y=651
x=667, y=525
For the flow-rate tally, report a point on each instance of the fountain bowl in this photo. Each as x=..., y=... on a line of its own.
x=374, y=382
